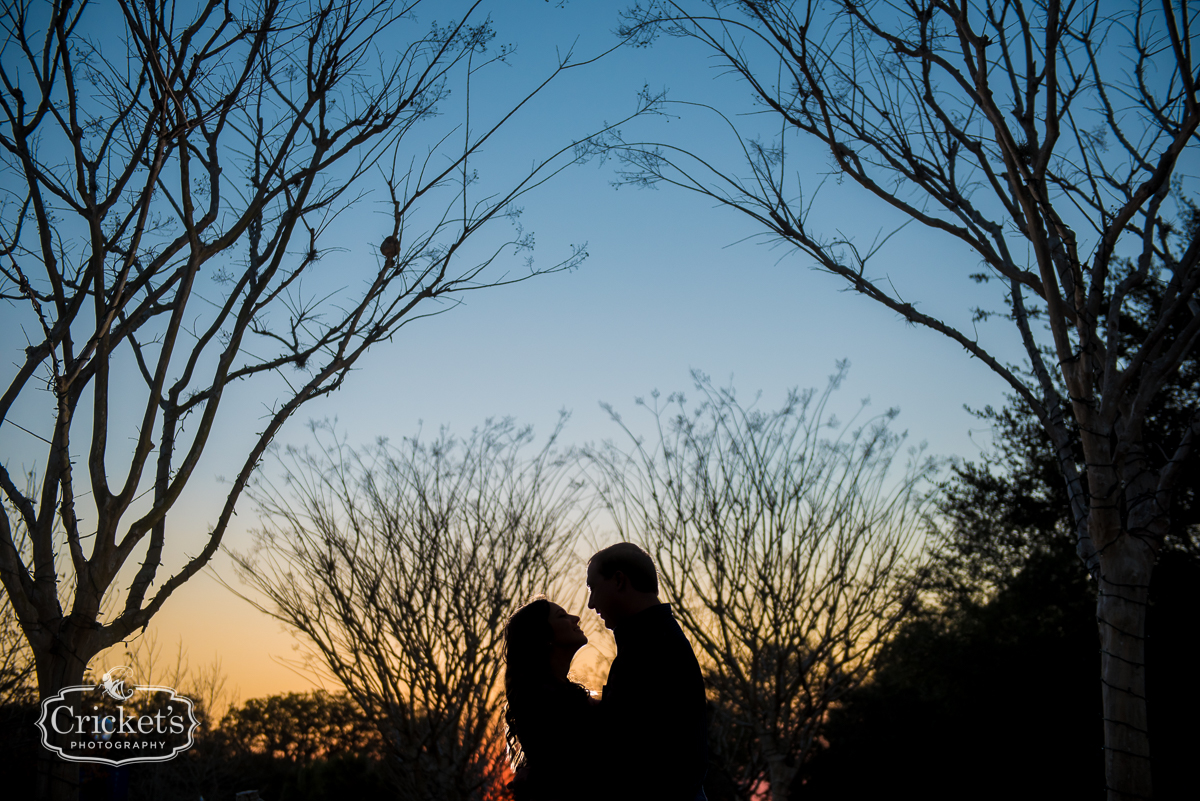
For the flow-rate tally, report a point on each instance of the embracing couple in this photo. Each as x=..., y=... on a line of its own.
x=645, y=739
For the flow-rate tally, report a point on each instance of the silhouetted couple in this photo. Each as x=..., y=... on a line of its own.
x=645, y=739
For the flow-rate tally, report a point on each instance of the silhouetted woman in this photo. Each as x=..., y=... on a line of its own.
x=549, y=718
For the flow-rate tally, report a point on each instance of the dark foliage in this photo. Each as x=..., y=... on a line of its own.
x=19, y=747
x=990, y=700
x=988, y=691
x=995, y=699
x=301, y=727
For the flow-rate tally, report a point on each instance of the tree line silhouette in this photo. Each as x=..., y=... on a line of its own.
x=962, y=658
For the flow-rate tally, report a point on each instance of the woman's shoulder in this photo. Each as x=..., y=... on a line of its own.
x=555, y=713
x=551, y=700
x=574, y=691
x=566, y=699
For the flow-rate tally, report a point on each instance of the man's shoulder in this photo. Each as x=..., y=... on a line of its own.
x=651, y=624
x=669, y=633
x=660, y=645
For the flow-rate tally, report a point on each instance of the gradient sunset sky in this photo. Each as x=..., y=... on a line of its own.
x=671, y=284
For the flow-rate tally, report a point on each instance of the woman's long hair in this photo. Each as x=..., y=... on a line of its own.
x=527, y=644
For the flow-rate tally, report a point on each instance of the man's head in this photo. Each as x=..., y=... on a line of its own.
x=621, y=581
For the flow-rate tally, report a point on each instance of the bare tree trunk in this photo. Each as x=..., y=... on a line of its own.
x=1126, y=522
x=1121, y=614
x=60, y=664
x=780, y=775
x=1124, y=588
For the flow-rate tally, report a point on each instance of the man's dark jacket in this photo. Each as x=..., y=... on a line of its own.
x=654, y=711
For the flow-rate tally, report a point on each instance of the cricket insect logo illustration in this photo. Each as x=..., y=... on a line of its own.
x=113, y=683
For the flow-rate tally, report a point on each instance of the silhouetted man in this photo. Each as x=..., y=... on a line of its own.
x=653, y=707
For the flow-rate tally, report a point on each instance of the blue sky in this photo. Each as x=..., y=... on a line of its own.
x=672, y=283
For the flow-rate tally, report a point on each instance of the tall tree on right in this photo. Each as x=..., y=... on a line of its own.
x=1048, y=138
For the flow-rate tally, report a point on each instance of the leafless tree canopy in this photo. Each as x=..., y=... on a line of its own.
x=17, y=680
x=16, y=660
x=400, y=564
x=785, y=540
x=173, y=228
x=1047, y=137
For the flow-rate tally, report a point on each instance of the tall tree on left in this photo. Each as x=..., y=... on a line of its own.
x=173, y=175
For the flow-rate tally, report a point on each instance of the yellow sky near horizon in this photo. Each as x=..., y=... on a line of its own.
x=257, y=655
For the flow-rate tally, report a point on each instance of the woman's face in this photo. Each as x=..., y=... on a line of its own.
x=564, y=628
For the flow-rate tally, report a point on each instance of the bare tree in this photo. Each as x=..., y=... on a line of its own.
x=1048, y=138
x=175, y=180
x=788, y=555
x=16, y=662
x=400, y=565
x=17, y=681
x=206, y=686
